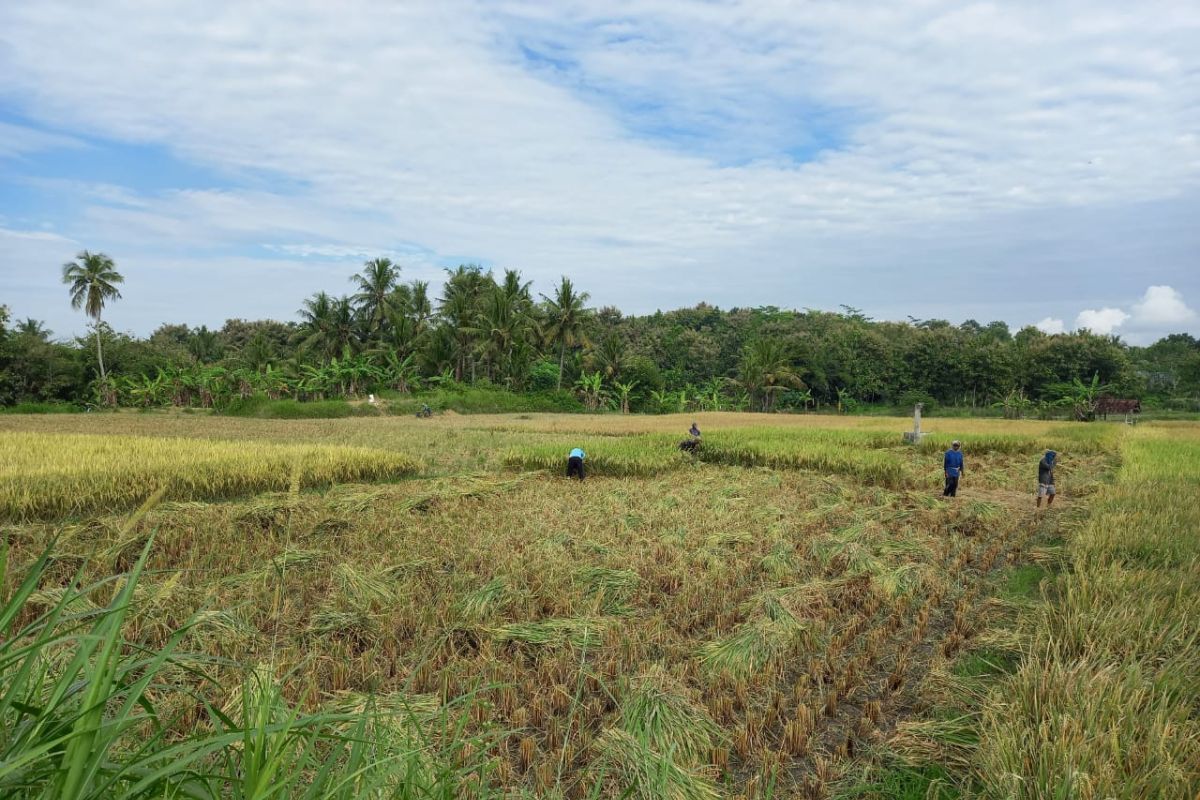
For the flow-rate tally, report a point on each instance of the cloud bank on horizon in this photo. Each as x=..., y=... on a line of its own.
x=1161, y=308
x=1016, y=161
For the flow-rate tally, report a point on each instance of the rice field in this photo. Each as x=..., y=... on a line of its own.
x=793, y=611
x=45, y=475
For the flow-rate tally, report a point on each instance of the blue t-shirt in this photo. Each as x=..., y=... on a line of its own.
x=954, y=463
x=577, y=453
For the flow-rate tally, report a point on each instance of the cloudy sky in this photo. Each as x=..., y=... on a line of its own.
x=1037, y=162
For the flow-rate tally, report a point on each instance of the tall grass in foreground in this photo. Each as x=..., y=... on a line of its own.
x=85, y=713
x=1105, y=704
x=46, y=475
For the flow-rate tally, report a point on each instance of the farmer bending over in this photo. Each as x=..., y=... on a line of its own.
x=575, y=463
x=952, y=465
x=1046, y=479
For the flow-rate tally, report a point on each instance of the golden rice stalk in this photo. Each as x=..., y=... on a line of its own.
x=642, y=772
x=658, y=711
x=578, y=632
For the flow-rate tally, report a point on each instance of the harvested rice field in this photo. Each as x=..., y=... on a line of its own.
x=792, y=611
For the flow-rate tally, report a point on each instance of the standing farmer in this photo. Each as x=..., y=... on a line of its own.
x=575, y=463
x=1046, y=478
x=952, y=465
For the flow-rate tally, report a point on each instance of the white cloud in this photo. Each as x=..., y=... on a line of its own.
x=1101, y=321
x=424, y=123
x=1162, y=307
x=19, y=140
x=1051, y=325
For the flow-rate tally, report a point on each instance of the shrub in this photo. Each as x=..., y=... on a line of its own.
x=543, y=377
x=41, y=408
x=913, y=396
x=488, y=400
x=264, y=408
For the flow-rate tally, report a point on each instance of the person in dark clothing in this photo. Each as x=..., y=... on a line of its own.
x=952, y=465
x=694, y=431
x=1046, y=478
x=575, y=463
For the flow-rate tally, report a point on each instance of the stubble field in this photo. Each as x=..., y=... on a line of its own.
x=794, y=612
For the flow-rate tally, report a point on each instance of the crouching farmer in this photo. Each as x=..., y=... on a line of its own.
x=575, y=463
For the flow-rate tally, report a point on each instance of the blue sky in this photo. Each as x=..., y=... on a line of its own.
x=1032, y=162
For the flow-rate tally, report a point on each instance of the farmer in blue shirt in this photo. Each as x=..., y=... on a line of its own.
x=1046, y=478
x=575, y=463
x=953, y=467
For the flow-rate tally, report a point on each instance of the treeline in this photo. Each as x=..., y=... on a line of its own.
x=485, y=330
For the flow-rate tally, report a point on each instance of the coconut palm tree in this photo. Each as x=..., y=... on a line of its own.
x=374, y=284
x=205, y=345
x=327, y=325
x=610, y=357
x=565, y=320
x=34, y=328
x=765, y=370
x=93, y=279
x=419, y=306
x=459, y=307
x=516, y=291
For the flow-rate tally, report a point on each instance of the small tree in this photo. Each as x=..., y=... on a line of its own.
x=624, y=390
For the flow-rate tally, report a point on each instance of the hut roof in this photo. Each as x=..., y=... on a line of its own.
x=1116, y=405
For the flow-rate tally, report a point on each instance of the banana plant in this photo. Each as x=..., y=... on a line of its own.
x=212, y=386
x=400, y=373
x=316, y=381
x=661, y=400
x=1082, y=398
x=180, y=384
x=144, y=391
x=591, y=390
x=711, y=396
x=623, y=391
x=1015, y=404
x=276, y=382
x=241, y=382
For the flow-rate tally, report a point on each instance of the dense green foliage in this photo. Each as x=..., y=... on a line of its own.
x=491, y=334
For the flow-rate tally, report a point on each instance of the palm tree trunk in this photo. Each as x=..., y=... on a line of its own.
x=100, y=352
x=562, y=354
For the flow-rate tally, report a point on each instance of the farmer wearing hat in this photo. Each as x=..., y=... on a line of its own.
x=952, y=465
x=1046, y=478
